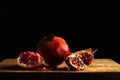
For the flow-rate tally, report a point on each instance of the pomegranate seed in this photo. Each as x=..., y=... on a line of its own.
x=44, y=69
x=78, y=69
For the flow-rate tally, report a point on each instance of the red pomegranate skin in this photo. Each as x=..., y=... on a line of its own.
x=54, y=51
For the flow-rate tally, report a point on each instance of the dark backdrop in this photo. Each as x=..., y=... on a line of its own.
x=1, y=12
x=22, y=29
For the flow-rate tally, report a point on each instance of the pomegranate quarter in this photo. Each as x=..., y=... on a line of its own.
x=81, y=59
x=29, y=59
x=53, y=49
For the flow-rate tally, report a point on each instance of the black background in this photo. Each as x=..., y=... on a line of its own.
x=1, y=11
x=94, y=28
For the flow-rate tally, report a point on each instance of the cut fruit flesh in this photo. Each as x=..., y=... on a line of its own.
x=81, y=58
x=27, y=60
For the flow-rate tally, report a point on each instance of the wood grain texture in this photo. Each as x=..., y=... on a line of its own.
x=98, y=65
x=100, y=69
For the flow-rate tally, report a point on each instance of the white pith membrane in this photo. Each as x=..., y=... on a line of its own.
x=27, y=65
x=77, y=60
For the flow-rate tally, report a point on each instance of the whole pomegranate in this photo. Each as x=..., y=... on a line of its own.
x=53, y=49
x=29, y=59
x=81, y=58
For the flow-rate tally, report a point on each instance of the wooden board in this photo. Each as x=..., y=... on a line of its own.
x=98, y=65
x=100, y=68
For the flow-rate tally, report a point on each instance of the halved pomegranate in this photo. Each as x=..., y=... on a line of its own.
x=81, y=58
x=29, y=59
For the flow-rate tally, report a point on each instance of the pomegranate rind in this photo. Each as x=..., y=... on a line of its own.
x=40, y=60
x=90, y=51
x=79, y=53
x=70, y=64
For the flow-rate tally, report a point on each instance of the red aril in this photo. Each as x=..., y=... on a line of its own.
x=43, y=69
x=29, y=59
x=81, y=58
x=78, y=69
